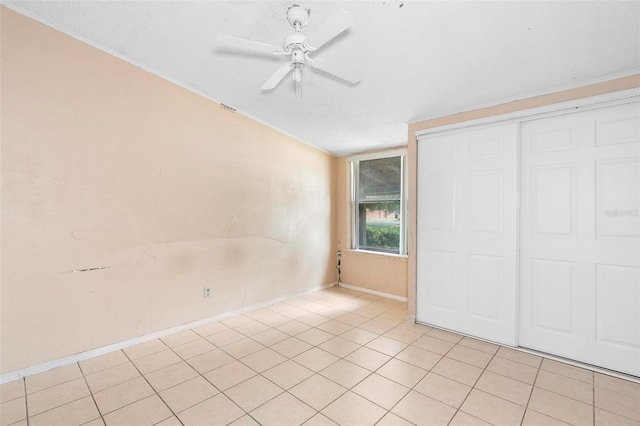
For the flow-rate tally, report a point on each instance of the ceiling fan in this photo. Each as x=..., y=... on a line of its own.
x=298, y=47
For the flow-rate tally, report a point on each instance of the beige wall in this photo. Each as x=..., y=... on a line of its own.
x=378, y=272
x=107, y=166
x=521, y=105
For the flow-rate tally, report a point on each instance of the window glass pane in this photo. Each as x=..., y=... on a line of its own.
x=378, y=205
x=379, y=226
x=380, y=179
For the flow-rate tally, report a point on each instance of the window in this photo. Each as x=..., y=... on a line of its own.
x=379, y=202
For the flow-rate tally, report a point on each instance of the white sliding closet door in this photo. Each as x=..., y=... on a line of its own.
x=467, y=208
x=579, y=237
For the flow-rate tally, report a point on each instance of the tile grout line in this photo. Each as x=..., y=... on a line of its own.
x=220, y=391
x=593, y=398
x=274, y=366
x=539, y=369
x=319, y=372
x=151, y=386
x=58, y=406
x=442, y=356
x=533, y=387
x=26, y=403
x=570, y=397
x=333, y=363
x=387, y=411
x=48, y=387
x=474, y=383
x=371, y=372
x=84, y=377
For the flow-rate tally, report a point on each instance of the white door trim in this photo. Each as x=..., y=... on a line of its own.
x=583, y=104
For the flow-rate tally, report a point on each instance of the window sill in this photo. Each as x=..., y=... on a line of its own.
x=377, y=254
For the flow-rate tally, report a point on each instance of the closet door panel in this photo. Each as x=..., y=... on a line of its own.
x=579, y=237
x=467, y=185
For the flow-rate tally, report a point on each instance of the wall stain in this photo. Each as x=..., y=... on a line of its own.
x=82, y=233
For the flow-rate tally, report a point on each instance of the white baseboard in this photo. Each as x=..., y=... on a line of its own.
x=14, y=375
x=374, y=292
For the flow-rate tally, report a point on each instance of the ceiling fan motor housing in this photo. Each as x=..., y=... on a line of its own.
x=293, y=41
x=297, y=16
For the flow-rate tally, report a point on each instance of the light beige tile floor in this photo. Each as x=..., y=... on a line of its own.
x=331, y=357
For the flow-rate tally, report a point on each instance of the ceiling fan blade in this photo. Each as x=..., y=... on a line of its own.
x=337, y=23
x=234, y=43
x=277, y=77
x=338, y=69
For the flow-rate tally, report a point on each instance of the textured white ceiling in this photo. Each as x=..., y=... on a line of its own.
x=419, y=59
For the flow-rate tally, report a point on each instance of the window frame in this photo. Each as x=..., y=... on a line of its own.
x=354, y=172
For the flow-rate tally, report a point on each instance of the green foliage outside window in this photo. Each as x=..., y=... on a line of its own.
x=383, y=236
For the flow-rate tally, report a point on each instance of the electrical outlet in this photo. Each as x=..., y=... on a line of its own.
x=207, y=292
x=339, y=253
